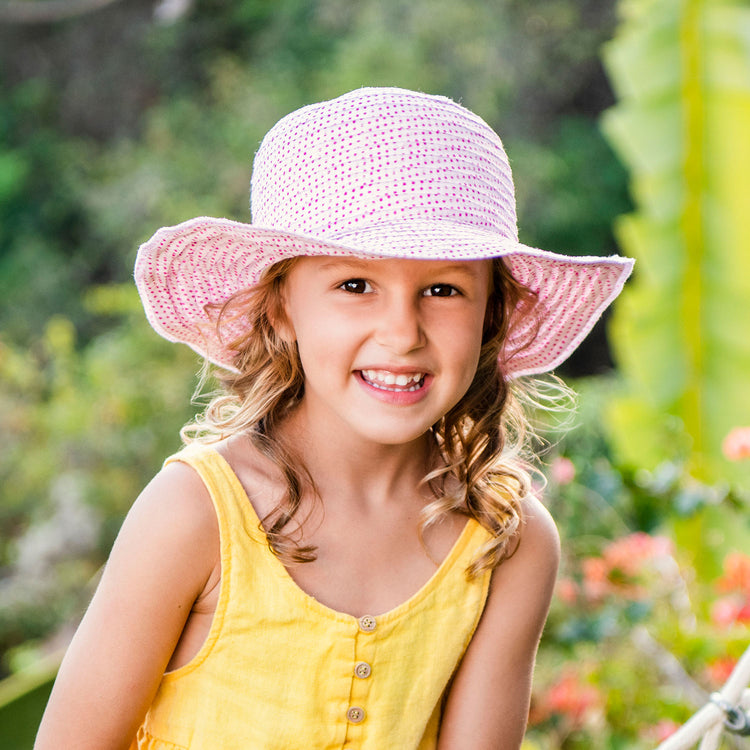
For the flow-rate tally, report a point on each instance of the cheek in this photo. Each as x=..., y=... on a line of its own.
x=323, y=343
x=467, y=349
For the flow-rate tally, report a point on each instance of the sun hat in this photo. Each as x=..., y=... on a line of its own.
x=375, y=173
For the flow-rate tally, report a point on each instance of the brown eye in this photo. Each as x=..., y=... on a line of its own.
x=441, y=290
x=355, y=286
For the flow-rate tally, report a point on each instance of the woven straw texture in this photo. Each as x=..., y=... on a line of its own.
x=381, y=173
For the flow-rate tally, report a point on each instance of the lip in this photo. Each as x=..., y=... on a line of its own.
x=395, y=397
x=396, y=369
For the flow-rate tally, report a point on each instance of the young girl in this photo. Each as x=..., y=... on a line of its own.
x=347, y=553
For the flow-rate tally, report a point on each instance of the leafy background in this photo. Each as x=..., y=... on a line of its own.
x=626, y=126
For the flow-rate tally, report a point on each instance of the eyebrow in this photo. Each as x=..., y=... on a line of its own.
x=468, y=267
x=336, y=262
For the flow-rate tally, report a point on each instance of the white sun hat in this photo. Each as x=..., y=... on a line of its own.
x=375, y=173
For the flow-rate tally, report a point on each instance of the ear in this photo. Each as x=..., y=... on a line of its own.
x=279, y=319
x=491, y=315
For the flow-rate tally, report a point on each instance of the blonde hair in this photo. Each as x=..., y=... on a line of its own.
x=482, y=442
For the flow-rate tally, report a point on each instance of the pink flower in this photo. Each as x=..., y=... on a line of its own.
x=662, y=730
x=562, y=470
x=731, y=610
x=736, y=445
x=629, y=553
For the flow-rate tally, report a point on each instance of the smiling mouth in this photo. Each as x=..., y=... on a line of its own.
x=390, y=381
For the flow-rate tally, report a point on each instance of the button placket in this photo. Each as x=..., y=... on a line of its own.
x=362, y=669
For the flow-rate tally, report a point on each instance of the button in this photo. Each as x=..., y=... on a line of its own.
x=362, y=670
x=367, y=623
x=355, y=714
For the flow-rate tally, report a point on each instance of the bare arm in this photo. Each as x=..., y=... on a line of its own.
x=488, y=704
x=165, y=555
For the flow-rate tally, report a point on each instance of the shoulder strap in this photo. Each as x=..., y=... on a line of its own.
x=233, y=507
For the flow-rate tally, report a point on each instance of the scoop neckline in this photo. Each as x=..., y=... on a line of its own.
x=247, y=508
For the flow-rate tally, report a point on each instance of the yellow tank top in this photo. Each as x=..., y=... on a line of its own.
x=281, y=671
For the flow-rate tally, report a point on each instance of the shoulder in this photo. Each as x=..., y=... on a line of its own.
x=261, y=479
x=533, y=564
x=176, y=496
x=172, y=527
x=538, y=534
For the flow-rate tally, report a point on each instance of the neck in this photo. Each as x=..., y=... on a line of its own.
x=362, y=471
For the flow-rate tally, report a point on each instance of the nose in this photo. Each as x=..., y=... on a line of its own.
x=399, y=324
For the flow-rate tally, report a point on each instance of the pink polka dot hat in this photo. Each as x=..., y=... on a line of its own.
x=376, y=173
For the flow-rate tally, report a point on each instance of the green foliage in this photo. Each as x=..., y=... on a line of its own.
x=629, y=602
x=682, y=72
x=23, y=697
x=95, y=157
x=81, y=184
x=38, y=237
x=99, y=151
x=84, y=430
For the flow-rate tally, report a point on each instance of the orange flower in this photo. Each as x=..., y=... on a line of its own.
x=571, y=697
x=567, y=590
x=736, y=445
x=736, y=574
x=596, y=583
x=718, y=671
x=622, y=562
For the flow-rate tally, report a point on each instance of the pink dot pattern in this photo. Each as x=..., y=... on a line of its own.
x=381, y=173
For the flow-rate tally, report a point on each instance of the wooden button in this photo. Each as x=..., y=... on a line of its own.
x=355, y=714
x=367, y=623
x=362, y=670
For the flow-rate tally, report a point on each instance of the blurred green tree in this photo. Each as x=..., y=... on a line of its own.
x=107, y=137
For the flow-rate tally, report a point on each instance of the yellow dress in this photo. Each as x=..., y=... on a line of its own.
x=281, y=671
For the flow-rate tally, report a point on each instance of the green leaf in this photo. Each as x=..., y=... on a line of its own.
x=680, y=334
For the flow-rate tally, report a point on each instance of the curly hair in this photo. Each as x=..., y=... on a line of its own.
x=484, y=470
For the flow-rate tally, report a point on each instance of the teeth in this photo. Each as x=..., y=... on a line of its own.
x=383, y=378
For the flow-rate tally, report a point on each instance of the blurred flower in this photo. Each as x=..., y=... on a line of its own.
x=567, y=590
x=629, y=553
x=662, y=730
x=730, y=610
x=570, y=697
x=596, y=583
x=736, y=445
x=622, y=564
x=736, y=574
x=735, y=582
x=718, y=671
x=562, y=470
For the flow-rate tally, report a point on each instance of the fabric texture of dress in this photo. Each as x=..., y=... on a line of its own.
x=281, y=671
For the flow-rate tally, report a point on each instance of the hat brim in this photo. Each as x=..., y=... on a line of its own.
x=184, y=269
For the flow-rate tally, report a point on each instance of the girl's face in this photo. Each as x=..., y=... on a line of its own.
x=387, y=346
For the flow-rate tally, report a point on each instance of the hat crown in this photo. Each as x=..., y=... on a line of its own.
x=381, y=156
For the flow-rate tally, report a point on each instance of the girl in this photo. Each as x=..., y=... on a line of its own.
x=347, y=554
